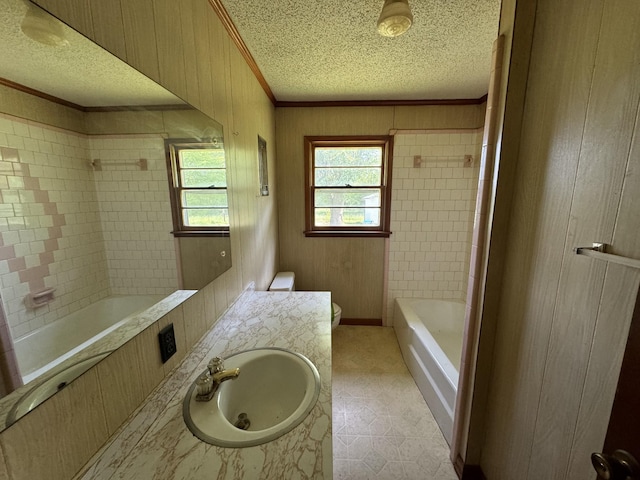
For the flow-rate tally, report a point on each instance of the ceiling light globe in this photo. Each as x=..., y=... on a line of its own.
x=43, y=28
x=395, y=18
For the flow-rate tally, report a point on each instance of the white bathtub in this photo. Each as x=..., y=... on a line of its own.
x=430, y=336
x=44, y=348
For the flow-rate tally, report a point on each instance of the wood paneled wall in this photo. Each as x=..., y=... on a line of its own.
x=351, y=268
x=568, y=177
x=184, y=47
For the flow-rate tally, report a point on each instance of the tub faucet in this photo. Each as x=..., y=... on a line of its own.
x=208, y=383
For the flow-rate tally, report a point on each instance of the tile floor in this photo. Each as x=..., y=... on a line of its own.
x=382, y=427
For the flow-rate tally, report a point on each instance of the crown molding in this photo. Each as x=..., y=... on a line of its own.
x=38, y=93
x=381, y=103
x=75, y=106
x=224, y=17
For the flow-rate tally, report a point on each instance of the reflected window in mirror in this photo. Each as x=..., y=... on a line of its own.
x=198, y=183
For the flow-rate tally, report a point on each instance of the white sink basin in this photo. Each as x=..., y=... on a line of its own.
x=276, y=390
x=50, y=385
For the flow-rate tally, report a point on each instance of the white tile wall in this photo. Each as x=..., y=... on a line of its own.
x=87, y=234
x=136, y=214
x=49, y=223
x=432, y=211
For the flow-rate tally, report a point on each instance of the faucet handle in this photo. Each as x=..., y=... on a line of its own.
x=204, y=385
x=216, y=365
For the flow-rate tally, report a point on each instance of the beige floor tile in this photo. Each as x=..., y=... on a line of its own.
x=340, y=469
x=382, y=426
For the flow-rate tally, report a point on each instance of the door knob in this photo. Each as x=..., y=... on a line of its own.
x=620, y=465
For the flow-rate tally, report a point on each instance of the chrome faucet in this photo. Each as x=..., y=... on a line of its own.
x=208, y=383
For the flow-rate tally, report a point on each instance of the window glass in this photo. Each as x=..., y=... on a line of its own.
x=202, y=158
x=346, y=177
x=203, y=178
x=199, y=186
x=348, y=185
x=206, y=217
x=348, y=156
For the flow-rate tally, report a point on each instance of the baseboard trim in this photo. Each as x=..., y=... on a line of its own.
x=472, y=472
x=373, y=322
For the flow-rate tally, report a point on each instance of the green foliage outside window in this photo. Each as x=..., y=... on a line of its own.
x=202, y=186
x=348, y=168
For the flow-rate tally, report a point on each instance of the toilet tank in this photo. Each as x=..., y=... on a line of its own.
x=283, y=282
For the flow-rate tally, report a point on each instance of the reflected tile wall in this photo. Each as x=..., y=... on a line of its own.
x=50, y=230
x=135, y=214
x=87, y=234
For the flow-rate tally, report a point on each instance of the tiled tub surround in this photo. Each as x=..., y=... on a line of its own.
x=432, y=211
x=156, y=444
x=87, y=234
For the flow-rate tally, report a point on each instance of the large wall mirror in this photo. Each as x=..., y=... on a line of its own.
x=87, y=233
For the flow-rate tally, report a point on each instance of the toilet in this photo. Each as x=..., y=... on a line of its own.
x=286, y=282
x=283, y=282
x=336, y=315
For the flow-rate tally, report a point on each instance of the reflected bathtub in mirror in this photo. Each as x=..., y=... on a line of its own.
x=85, y=206
x=43, y=349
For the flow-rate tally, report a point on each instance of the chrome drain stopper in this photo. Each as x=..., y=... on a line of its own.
x=243, y=422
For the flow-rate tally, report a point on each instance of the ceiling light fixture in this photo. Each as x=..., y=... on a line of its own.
x=43, y=28
x=395, y=18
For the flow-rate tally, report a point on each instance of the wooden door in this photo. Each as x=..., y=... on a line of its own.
x=562, y=320
x=623, y=432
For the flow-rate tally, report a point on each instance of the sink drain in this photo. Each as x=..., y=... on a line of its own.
x=243, y=422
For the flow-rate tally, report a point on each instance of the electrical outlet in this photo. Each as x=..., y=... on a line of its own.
x=167, y=342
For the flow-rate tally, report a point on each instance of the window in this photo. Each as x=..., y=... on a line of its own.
x=348, y=185
x=198, y=183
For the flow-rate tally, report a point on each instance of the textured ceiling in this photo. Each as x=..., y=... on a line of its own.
x=307, y=50
x=322, y=50
x=82, y=72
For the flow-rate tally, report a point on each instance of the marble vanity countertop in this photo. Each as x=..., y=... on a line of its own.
x=155, y=442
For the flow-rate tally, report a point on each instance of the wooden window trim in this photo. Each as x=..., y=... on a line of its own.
x=201, y=233
x=386, y=142
x=180, y=230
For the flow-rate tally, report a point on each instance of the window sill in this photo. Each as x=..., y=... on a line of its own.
x=347, y=233
x=201, y=233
